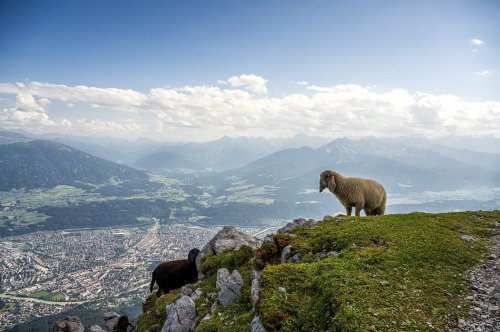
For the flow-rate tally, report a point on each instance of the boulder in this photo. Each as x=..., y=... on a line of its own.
x=96, y=328
x=230, y=289
x=181, y=316
x=69, y=324
x=229, y=237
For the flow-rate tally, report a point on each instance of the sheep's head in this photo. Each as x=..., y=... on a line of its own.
x=193, y=253
x=327, y=180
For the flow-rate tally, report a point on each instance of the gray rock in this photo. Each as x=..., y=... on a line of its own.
x=196, y=294
x=255, y=291
x=384, y=283
x=497, y=288
x=213, y=308
x=467, y=238
x=222, y=276
x=268, y=238
x=186, y=290
x=255, y=287
x=257, y=325
x=327, y=217
x=229, y=237
x=255, y=275
x=296, y=258
x=181, y=316
x=286, y=253
x=230, y=289
x=69, y=324
x=110, y=320
x=485, y=293
x=288, y=228
x=96, y=328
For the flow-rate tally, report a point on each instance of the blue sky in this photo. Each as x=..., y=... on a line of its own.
x=436, y=48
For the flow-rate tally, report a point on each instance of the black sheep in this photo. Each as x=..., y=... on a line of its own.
x=175, y=274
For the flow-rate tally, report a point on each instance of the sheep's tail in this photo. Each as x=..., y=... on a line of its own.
x=152, y=282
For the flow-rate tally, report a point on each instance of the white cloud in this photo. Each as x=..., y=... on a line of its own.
x=476, y=42
x=110, y=97
x=252, y=83
x=299, y=82
x=482, y=73
x=208, y=112
x=26, y=102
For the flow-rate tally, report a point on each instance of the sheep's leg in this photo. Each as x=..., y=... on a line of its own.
x=358, y=210
x=158, y=293
x=348, y=210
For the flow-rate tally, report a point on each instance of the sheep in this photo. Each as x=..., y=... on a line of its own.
x=175, y=274
x=355, y=192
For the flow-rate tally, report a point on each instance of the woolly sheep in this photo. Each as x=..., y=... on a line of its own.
x=175, y=274
x=355, y=192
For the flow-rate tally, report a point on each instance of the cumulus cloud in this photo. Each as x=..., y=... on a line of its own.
x=252, y=83
x=112, y=97
x=207, y=112
x=476, y=42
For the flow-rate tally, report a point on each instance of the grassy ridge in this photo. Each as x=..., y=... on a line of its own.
x=392, y=273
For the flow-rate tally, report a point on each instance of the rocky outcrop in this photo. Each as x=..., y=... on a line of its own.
x=288, y=228
x=69, y=324
x=181, y=316
x=230, y=289
x=229, y=237
x=484, y=299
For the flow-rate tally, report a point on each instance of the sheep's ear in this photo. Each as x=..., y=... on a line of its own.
x=330, y=180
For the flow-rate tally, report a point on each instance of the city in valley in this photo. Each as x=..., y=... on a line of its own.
x=45, y=273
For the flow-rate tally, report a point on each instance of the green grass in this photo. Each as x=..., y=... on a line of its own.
x=150, y=319
x=420, y=255
x=48, y=296
x=392, y=273
x=40, y=295
x=57, y=297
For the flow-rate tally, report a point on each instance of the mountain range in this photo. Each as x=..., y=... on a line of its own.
x=43, y=163
x=233, y=178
